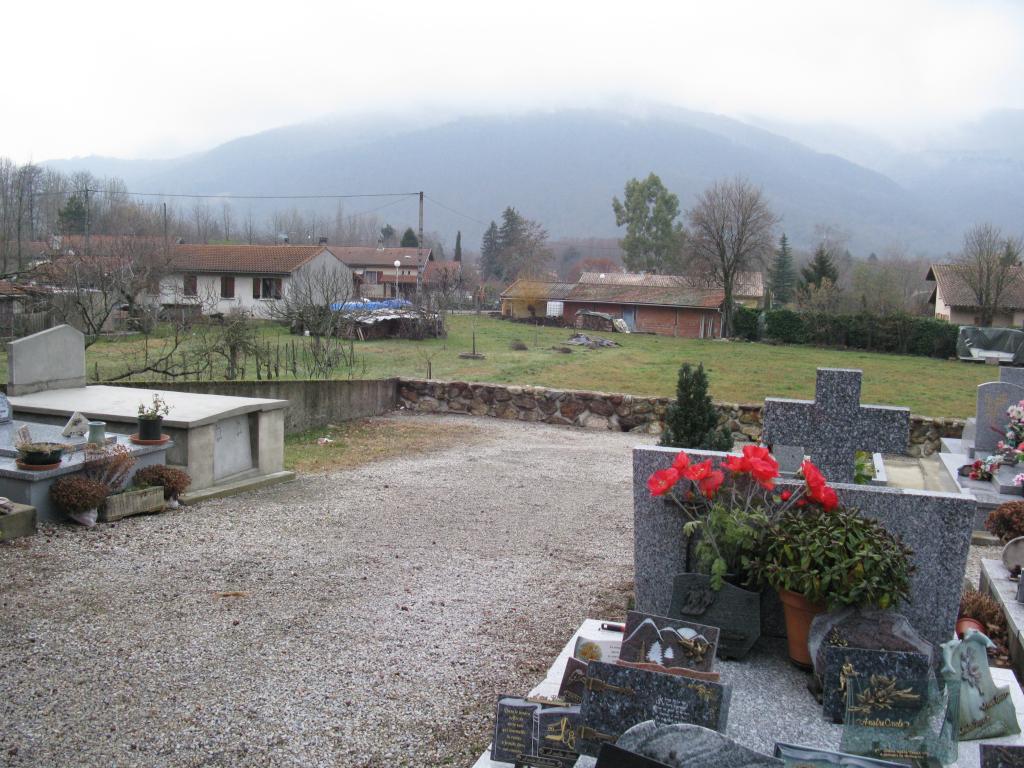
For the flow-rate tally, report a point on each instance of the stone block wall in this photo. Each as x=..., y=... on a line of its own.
x=603, y=410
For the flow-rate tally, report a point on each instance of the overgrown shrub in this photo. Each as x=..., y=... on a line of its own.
x=786, y=326
x=692, y=420
x=175, y=481
x=1006, y=521
x=744, y=323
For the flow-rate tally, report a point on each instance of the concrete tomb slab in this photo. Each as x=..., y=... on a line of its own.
x=834, y=426
x=50, y=359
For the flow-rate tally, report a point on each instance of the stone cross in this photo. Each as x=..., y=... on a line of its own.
x=834, y=426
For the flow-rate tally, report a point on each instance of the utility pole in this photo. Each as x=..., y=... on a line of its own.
x=86, y=219
x=419, y=250
x=167, y=250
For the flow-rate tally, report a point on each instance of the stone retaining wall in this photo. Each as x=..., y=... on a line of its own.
x=601, y=410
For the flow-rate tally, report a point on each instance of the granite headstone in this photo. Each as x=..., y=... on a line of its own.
x=617, y=698
x=986, y=710
x=843, y=664
x=994, y=398
x=834, y=426
x=1012, y=375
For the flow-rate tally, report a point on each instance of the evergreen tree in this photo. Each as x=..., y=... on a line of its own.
x=820, y=268
x=458, y=247
x=489, y=250
x=781, y=278
x=409, y=239
x=72, y=216
x=692, y=421
x=387, y=235
x=653, y=241
x=511, y=229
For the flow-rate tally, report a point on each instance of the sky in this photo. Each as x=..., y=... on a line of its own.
x=140, y=79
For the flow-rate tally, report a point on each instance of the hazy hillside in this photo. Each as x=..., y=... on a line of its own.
x=562, y=168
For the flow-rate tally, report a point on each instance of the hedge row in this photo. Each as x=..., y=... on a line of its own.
x=904, y=334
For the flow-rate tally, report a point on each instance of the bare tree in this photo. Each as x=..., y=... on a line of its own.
x=202, y=219
x=988, y=264
x=731, y=231
x=226, y=218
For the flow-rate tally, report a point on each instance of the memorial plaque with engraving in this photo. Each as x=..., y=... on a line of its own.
x=1001, y=756
x=841, y=664
x=513, y=729
x=794, y=756
x=736, y=612
x=668, y=643
x=574, y=681
x=902, y=720
x=617, y=698
x=986, y=710
x=554, y=738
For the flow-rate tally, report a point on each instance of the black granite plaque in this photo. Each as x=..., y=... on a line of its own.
x=736, y=612
x=841, y=664
x=1001, y=756
x=617, y=698
x=670, y=643
x=574, y=680
x=513, y=729
x=611, y=756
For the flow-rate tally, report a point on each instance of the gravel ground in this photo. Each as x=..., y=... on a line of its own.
x=377, y=612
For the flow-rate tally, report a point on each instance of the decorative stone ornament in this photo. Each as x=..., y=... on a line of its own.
x=77, y=426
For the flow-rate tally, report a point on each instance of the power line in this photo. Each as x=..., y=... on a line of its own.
x=225, y=196
x=457, y=213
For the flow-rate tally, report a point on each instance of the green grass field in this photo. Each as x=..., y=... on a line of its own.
x=644, y=365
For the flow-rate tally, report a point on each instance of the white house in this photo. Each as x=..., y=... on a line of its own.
x=957, y=303
x=247, y=278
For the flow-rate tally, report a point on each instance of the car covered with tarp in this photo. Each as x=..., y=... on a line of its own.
x=977, y=344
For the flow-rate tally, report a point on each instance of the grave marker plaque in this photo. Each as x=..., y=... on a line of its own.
x=668, y=643
x=513, y=729
x=843, y=664
x=1001, y=756
x=736, y=612
x=810, y=757
x=986, y=710
x=617, y=698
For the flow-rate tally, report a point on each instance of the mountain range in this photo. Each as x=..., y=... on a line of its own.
x=563, y=167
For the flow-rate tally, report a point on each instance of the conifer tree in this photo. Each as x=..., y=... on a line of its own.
x=489, y=250
x=820, y=268
x=781, y=277
x=692, y=421
x=458, y=247
x=409, y=239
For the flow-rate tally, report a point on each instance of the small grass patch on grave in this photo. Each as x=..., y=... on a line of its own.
x=355, y=443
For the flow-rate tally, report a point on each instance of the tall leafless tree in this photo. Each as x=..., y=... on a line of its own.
x=988, y=264
x=731, y=231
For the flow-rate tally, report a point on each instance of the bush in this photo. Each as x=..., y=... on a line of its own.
x=1006, y=521
x=838, y=558
x=744, y=323
x=980, y=607
x=77, y=493
x=174, y=481
x=899, y=333
x=692, y=420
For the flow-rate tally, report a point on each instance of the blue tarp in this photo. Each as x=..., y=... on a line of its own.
x=366, y=306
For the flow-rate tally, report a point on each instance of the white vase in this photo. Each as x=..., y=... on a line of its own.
x=172, y=504
x=86, y=518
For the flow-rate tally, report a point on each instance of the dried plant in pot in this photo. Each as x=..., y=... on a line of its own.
x=175, y=481
x=981, y=612
x=151, y=418
x=40, y=454
x=79, y=497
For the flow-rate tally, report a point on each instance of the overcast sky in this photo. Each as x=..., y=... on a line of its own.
x=143, y=79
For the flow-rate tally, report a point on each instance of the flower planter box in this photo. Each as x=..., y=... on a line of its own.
x=130, y=503
x=20, y=522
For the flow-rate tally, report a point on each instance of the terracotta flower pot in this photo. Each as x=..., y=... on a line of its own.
x=964, y=623
x=799, y=612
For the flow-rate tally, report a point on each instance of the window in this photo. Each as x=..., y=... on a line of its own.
x=266, y=287
x=371, y=278
x=555, y=308
x=191, y=285
x=227, y=286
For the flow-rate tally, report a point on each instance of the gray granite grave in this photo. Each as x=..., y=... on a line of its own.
x=834, y=426
x=50, y=359
x=617, y=698
x=1001, y=756
x=842, y=664
x=994, y=398
x=1012, y=375
x=936, y=526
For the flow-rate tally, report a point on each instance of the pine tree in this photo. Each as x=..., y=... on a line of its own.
x=692, y=421
x=781, y=278
x=489, y=266
x=409, y=239
x=458, y=247
x=820, y=268
x=72, y=216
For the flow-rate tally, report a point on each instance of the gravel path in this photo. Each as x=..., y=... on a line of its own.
x=377, y=612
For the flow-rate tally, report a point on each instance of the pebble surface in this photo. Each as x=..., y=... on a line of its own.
x=360, y=618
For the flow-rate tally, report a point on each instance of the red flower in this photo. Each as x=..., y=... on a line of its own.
x=812, y=476
x=762, y=465
x=709, y=485
x=681, y=462
x=661, y=482
x=698, y=472
x=735, y=464
x=786, y=495
x=828, y=500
